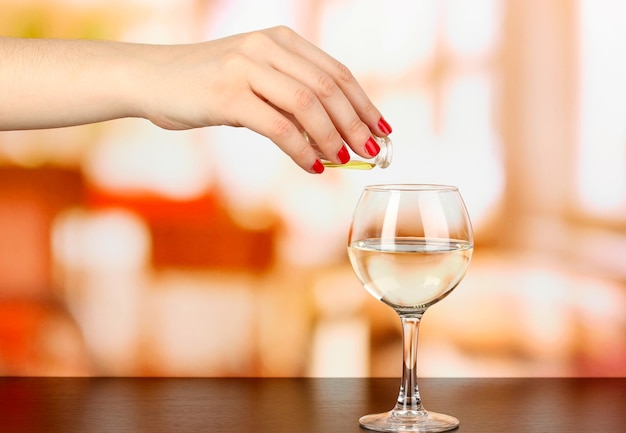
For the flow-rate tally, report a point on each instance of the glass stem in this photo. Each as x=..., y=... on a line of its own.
x=409, y=397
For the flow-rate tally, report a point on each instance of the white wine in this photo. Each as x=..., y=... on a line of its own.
x=410, y=272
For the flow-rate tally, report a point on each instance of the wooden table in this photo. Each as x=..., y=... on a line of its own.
x=153, y=405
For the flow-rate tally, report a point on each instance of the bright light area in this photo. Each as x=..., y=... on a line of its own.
x=472, y=27
x=602, y=158
x=146, y=159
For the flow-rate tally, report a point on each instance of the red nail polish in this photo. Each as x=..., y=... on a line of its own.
x=384, y=126
x=318, y=167
x=343, y=155
x=372, y=147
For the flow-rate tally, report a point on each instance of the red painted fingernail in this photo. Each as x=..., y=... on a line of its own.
x=372, y=147
x=318, y=167
x=384, y=126
x=343, y=155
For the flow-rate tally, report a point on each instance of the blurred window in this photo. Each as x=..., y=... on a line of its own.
x=601, y=189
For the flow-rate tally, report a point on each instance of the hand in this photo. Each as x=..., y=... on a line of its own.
x=273, y=82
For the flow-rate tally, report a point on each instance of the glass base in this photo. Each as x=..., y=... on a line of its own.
x=409, y=421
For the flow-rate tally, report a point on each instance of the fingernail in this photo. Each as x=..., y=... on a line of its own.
x=372, y=147
x=343, y=155
x=318, y=167
x=384, y=126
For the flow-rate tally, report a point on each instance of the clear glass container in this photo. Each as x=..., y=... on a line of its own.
x=382, y=160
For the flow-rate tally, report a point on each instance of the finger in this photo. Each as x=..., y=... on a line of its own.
x=259, y=116
x=297, y=99
x=341, y=112
x=304, y=133
x=344, y=78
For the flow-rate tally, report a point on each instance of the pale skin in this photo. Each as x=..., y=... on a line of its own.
x=272, y=81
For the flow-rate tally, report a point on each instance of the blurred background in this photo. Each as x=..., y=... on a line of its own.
x=129, y=250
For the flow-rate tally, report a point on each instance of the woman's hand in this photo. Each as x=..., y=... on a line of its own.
x=271, y=81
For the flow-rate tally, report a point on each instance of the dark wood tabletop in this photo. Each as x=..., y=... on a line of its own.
x=154, y=405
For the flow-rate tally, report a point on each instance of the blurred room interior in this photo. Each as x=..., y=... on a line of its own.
x=133, y=251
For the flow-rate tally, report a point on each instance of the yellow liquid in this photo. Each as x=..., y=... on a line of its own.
x=352, y=165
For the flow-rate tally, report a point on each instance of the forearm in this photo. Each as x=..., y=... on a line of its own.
x=47, y=83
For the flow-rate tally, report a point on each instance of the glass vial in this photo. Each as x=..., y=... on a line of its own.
x=382, y=160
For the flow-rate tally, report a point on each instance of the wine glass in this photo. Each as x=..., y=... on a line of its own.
x=410, y=245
